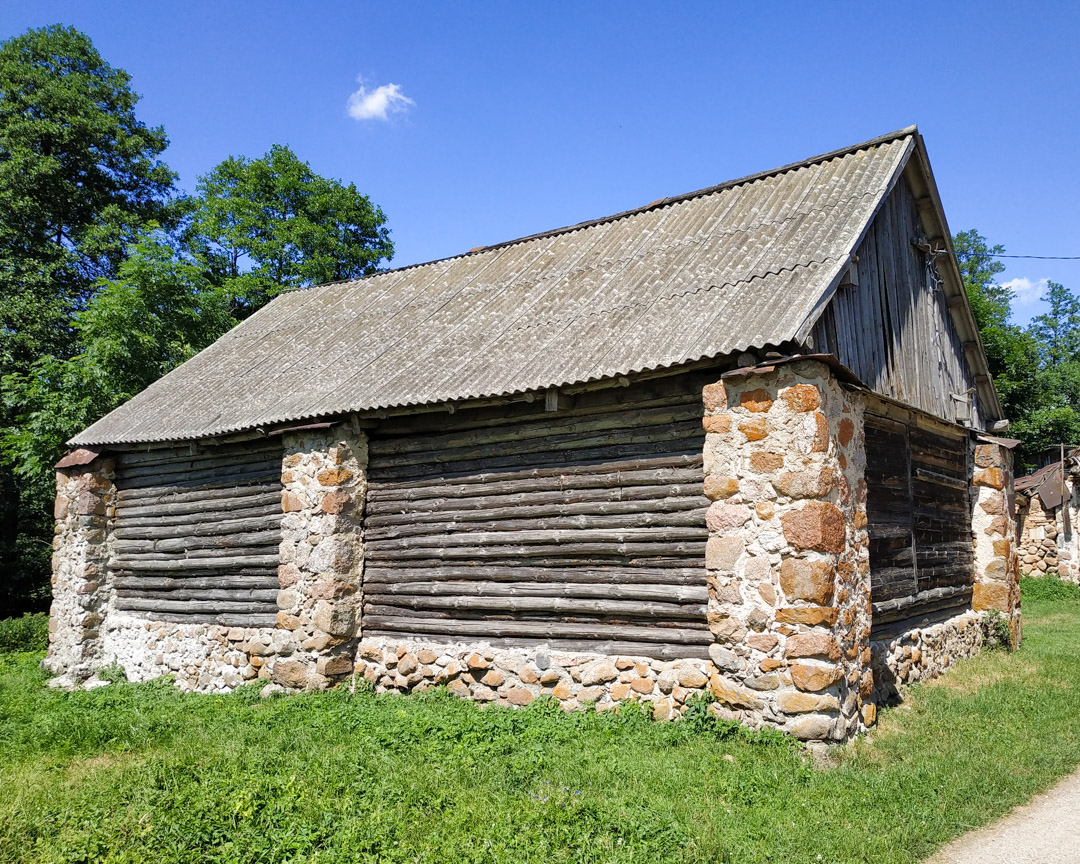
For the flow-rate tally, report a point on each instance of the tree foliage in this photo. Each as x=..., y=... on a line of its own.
x=1036, y=369
x=263, y=225
x=79, y=174
x=109, y=279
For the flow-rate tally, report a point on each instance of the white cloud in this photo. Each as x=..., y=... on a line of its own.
x=377, y=104
x=1026, y=290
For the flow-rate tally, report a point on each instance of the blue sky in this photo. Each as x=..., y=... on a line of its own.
x=512, y=118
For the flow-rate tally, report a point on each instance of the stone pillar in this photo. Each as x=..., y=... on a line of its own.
x=85, y=497
x=993, y=524
x=787, y=557
x=324, y=478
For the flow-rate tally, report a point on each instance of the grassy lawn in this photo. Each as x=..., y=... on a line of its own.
x=145, y=773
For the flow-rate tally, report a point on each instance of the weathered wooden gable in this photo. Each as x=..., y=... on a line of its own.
x=891, y=322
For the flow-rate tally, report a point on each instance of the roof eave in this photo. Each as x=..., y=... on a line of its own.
x=834, y=283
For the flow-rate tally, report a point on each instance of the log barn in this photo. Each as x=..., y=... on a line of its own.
x=738, y=442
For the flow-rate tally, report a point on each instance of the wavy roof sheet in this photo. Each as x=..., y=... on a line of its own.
x=745, y=264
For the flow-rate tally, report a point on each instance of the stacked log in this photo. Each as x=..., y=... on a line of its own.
x=583, y=528
x=195, y=535
x=919, y=511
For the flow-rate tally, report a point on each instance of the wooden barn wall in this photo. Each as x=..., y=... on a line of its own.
x=894, y=329
x=583, y=528
x=195, y=537
x=919, y=521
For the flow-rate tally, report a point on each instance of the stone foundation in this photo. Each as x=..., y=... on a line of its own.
x=207, y=658
x=923, y=653
x=516, y=677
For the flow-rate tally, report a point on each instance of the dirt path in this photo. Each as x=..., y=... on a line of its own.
x=1044, y=831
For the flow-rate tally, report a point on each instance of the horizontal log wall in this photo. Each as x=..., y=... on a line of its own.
x=583, y=528
x=195, y=536
x=919, y=512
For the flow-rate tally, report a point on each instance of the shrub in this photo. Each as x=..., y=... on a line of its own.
x=1048, y=588
x=996, y=630
x=28, y=633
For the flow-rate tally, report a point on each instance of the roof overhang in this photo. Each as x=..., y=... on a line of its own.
x=915, y=167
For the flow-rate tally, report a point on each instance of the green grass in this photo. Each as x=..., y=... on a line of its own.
x=144, y=773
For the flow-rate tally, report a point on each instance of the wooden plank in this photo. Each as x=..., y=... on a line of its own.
x=382, y=593
x=212, y=607
x=239, y=563
x=233, y=595
x=438, y=531
x=206, y=526
x=614, y=548
x=565, y=502
x=606, y=647
x=222, y=543
x=463, y=628
x=548, y=605
x=624, y=573
x=168, y=583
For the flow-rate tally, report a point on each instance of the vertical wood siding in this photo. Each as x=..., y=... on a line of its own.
x=894, y=329
x=583, y=528
x=918, y=506
x=195, y=537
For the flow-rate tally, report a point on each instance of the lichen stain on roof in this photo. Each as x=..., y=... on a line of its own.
x=740, y=265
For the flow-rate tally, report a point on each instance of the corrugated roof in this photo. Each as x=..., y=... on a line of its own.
x=744, y=264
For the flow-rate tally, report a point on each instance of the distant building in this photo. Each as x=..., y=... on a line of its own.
x=1047, y=507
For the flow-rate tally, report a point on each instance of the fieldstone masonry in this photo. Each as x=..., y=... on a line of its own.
x=787, y=568
x=518, y=676
x=84, y=502
x=787, y=557
x=994, y=525
x=323, y=481
x=1045, y=547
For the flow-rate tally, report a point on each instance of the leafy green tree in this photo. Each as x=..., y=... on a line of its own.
x=254, y=228
x=159, y=311
x=264, y=225
x=990, y=302
x=1058, y=331
x=79, y=175
x=1036, y=369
